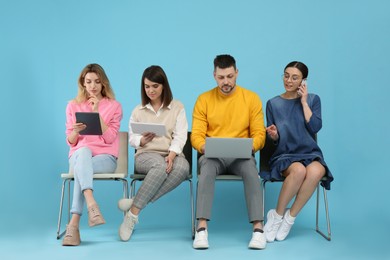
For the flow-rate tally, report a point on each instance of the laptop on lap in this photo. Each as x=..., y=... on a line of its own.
x=227, y=147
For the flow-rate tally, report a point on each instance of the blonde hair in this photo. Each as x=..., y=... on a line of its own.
x=107, y=91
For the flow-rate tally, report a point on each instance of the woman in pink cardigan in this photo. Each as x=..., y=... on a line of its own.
x=91, y=154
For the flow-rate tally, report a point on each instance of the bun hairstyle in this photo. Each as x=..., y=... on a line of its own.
x=299, y=65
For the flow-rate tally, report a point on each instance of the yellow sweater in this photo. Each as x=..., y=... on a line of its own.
x=237, y=115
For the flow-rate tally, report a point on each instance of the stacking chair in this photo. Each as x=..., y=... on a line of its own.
x=120, y=174
x=265, y=155
x=187, y=150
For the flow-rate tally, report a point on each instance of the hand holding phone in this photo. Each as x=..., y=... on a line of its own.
x=302, y=88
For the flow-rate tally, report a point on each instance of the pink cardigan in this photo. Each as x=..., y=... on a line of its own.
x=108, y=143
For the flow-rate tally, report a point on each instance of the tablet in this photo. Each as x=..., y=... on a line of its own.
x=217, y=147
x=92, y=120
x=140, y=128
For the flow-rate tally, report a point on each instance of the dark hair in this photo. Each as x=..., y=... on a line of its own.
x=300, y=66
x=224, y=61
x=156, y=74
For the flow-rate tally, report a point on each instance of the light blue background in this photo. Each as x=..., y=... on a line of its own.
x=45, y=44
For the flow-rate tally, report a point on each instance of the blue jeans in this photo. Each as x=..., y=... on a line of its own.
x=84, y=165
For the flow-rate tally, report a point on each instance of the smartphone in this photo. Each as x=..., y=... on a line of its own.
x=302, y=83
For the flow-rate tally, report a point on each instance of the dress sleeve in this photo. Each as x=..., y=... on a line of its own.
x=269, y=114
x=315, y=123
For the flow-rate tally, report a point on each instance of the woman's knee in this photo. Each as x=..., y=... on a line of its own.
x=153, y=166
x=84, y=151
x=315, y=171
x=296, y=171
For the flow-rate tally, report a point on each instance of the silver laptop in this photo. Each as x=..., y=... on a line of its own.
x=217, y=147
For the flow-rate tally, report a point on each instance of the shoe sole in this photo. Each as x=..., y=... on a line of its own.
x=256, y=247
x=97, y=224
x=69, y=244
x=200, y=247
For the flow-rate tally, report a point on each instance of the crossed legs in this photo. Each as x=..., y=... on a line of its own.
x=84, y=165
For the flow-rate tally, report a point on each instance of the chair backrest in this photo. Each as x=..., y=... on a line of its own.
x=122, y=163
x=266, y=153
x=187, y=150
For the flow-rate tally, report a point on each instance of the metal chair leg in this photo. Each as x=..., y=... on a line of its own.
x=192, y=210
x=125, y=191
x=132, y=188
x=328, y=237
x=125, y=188
x=264, y=182
x=64, y=182
x=60, y=211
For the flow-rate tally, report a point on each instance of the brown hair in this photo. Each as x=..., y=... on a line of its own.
x=156, y=74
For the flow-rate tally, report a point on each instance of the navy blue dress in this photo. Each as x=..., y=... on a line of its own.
x=297, y=139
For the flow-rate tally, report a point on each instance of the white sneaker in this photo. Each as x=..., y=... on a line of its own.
x=285, y=227
x=127, y=226
x=258, y=240
x=273, y=223
x=125, y=204
x=201, y=240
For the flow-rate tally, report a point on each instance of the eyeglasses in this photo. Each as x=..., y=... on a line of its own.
x=294, y=78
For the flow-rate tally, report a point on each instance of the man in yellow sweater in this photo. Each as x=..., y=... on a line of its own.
x=228, y=110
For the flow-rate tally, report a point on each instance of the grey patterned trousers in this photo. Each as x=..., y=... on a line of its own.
x=157, y=182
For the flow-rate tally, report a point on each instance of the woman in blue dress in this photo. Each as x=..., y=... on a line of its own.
x=293, y=120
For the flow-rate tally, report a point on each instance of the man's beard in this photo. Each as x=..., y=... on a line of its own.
x=228, y=90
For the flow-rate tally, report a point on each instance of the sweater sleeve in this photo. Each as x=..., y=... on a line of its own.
x=257, y=129
x=199, y=124
x=70, y=120
x=179, y=135
x=113, y=123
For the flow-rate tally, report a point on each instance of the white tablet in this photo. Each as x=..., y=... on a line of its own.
x=140, y=128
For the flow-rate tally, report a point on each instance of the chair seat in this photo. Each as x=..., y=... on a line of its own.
x=229, y=177
x=137, y=176
x=265, y=176
x=98, y=176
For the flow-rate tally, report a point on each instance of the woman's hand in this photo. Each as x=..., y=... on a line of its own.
x=74, y=135
x=272, y=131
x=78, y=127
x=169, y=160
x=302, y=91
x=147, y=137
x=94, y=102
